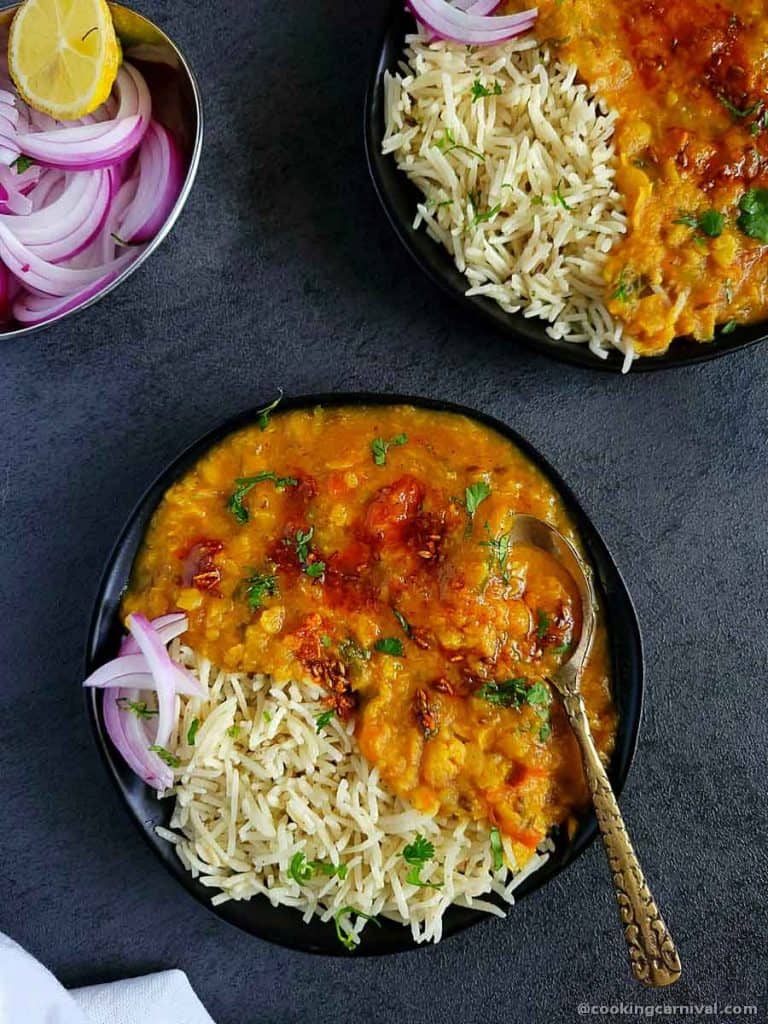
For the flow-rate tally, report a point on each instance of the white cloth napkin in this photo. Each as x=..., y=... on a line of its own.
x=29, y=994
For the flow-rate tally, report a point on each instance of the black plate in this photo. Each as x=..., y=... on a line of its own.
x=283, y=925
x=399, y=197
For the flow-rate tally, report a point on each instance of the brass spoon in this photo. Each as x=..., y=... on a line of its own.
x=652, y=952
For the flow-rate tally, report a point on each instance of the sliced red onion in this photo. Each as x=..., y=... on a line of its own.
x=449, y=22
x=161, y=174
x=49, y=278
x=31, y=309
x=6, y=294
x=129, y=737
x=477, y=6
x=163, y=671
x=88, y=147
x=167, y=627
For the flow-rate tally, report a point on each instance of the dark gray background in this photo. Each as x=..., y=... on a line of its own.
x=283, y=272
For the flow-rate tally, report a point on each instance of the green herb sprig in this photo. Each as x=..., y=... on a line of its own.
x=323, y=719
x=389, y=645
x=258, y=587
x=165, y=755
x=380, y=447
x=497, y=849
x=480, y=91
x=138, y=707
x=498, y=552
x=302, y=871
x=709, y=223
x=302, y=542
x=262, y=416
x=753, y=218
x=245, y=484
x=417, y=854
x=346, y=936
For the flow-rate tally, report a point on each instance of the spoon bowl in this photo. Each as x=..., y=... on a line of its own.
x=652, y=952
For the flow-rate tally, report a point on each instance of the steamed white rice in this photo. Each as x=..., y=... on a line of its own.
x=518, y=184
x=260, y=784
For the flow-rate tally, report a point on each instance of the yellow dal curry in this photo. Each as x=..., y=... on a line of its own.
x=364, y=548
x=689, y=81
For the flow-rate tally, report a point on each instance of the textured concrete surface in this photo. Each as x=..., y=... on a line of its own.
x=283, y=272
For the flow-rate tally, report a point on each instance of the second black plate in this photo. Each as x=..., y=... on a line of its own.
x=399, y=198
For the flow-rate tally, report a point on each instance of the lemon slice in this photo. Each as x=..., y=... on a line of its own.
x=63, y=55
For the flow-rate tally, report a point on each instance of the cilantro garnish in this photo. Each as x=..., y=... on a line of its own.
x=323, y=719
x=350, y=650
x=266, y=715
x=302, y=871
x=417, y=854
x=474, y=495
x=245, y=484
x=729, y=327
x=404, y=623
x=449, y=143
x=480, y=91
x=192, y=731
x=233, y=731
x=736, y=111
x=710, y=223
x=626, y=286
x=753, y=219
x=389, y=645
x=303, y=539
x=380, y=447
x=346, y=936
x=259, y=586
x=543, y=625
x=486, y=215
x=560, y=649
x=165, y=755
x=509, y=693
x=325, y=640
x=22, y=163
x=138, y=707
x=498, y=552
x=558, y=199
x=497, y=849
x=262, y=416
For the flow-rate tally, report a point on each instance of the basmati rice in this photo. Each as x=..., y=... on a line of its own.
x=516, y=164
x=262, y=782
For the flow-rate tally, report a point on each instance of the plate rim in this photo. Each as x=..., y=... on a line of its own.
x=104, y=630
x=530, y=332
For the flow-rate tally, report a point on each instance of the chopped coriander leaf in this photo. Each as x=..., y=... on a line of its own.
x=626, y=286
x=417, y=854
x=539, y=694
x=380, y=447
x=22, y=163
x=192, y=731
x=480, y=91
x=325, y=640
x=474, y=496
x=545, y=731
x=509, y=693
x=233, y=731
x=543, y=625
x=560, y=649
x=498, y=552
x=245, y=484
x=165, y=755
x=497, y=849
x=729, y=327
x=346, y=936
x=448, y=142
x=558, y=199
x=710, y=223
x=323, y=719
x=328, y=869
x=404, y=623
x=414, y=878
x=315, y=569
x=138, y=707
x=753, y=219
x=537, y=200
x=267, y=717
x=486, y=215
x=303, y=540
x=389, y=645
x=260, y=586
x=262, y=416
x=299, y=870
x=419, y=851
x=350, y=650
x=736, y=111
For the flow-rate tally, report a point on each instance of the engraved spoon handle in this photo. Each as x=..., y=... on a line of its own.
x=652, y=952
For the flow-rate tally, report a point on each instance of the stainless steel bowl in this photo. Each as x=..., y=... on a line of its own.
x=176, y=103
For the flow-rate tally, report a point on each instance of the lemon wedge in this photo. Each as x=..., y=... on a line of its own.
x=63, y=55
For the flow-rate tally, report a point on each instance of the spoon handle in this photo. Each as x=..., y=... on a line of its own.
x=652, y=952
